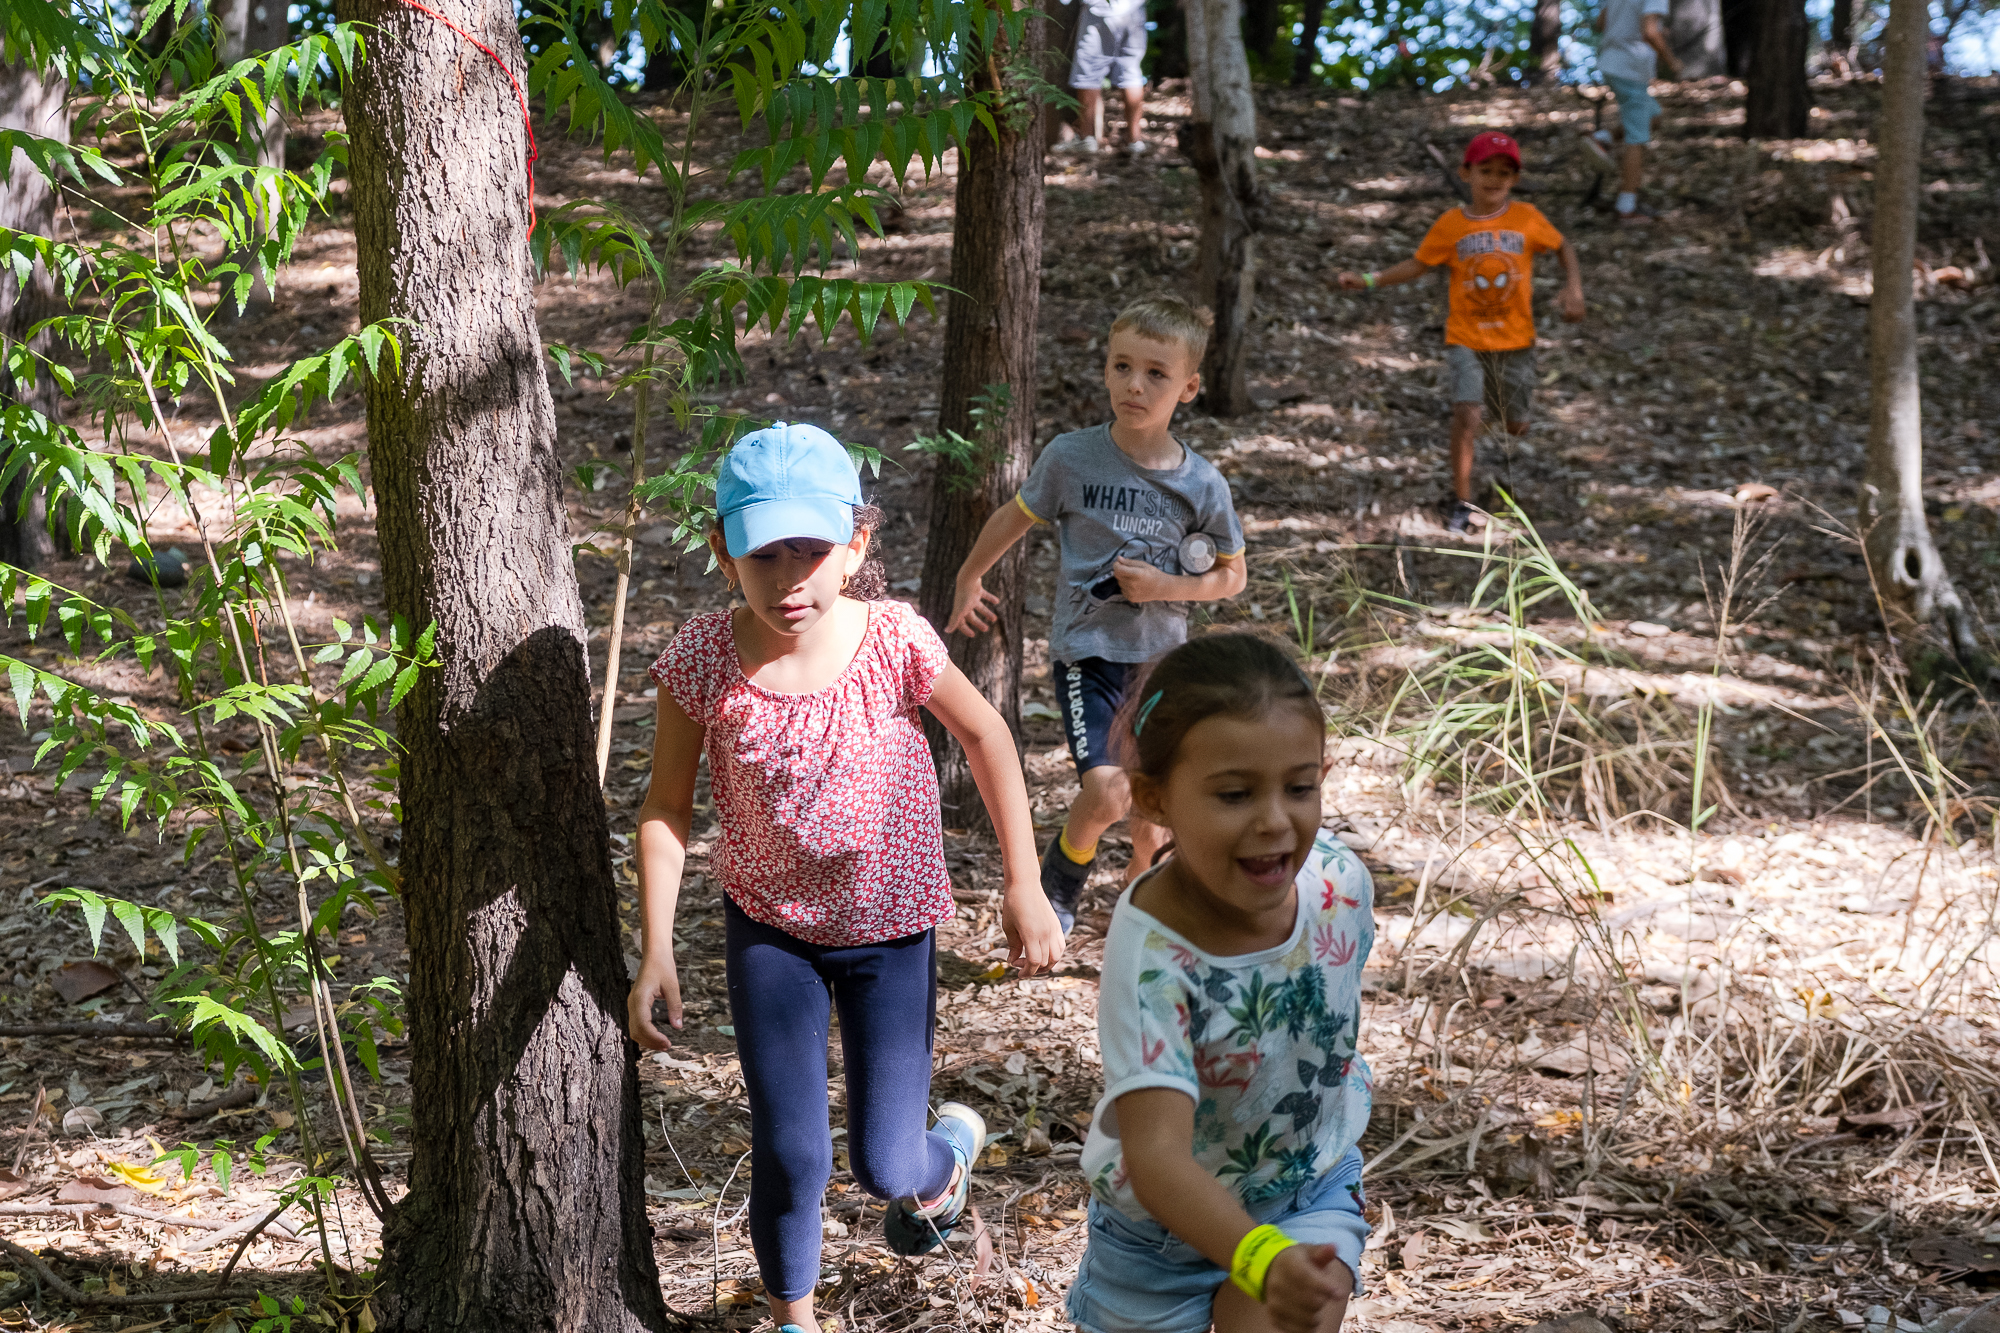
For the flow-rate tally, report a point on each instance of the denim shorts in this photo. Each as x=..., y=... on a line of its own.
x=1137, y=1278
x=1637, y=108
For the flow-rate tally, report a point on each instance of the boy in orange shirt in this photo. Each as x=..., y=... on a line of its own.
x=1489, y=336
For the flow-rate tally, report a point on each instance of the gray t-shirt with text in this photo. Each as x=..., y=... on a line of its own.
x=1105, y=506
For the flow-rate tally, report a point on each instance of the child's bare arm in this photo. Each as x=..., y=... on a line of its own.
x=664, y=821
x=1141, y=582
x=1034, y=938
x=1407, y=271
x=971, y=605
x=1656, y=37
x=1570, y=299
x=1156, y=1126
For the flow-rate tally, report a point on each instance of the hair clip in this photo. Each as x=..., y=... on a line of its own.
x=1145, y=711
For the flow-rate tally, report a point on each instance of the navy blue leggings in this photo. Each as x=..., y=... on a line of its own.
x=779, y=993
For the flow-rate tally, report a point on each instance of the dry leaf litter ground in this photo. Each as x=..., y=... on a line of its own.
x=1746, y=1080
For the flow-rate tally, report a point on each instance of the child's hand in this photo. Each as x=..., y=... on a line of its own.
x=972, y=610
x=1141, y=582
x=1570, y=302
x=657, y=981
x=1352, y=282
x=1301, y=1282
x=1034, y=936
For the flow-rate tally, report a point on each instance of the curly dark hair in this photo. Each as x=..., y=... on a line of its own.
x=870, y=583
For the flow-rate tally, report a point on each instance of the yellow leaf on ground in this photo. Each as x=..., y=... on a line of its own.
x=139, y=1178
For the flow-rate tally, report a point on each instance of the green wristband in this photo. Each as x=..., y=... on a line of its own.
x=1368, y=281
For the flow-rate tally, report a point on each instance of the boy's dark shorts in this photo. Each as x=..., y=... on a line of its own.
x=1503, y=381
x=1088, y=694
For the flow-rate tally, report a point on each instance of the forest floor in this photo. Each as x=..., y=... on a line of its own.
x=1746, y=1079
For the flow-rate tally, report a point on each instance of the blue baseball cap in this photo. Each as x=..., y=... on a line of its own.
x=786, y=481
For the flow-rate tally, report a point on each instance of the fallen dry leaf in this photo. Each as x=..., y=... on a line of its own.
x=140, y=1178
x=95, y=1189
x=78, y=981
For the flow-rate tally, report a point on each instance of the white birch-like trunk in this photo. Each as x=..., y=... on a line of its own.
x=1909, y=573
x=1221, y=142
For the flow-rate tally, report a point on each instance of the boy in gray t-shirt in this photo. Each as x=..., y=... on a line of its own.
x=1146, y=526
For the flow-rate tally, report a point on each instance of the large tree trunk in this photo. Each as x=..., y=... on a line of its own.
x=1306, y=53
x=1779, y=105
x=989, y=339
x=1694, y=30
x=34, y=102
x=250, y=28
x=1221, y=141
x=526, y=1207
x=1908, y=572
x=1545, y=59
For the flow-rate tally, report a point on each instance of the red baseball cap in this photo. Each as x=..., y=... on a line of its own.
x=1492, y=144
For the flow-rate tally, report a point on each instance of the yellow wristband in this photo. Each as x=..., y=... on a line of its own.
x=1254, y=1254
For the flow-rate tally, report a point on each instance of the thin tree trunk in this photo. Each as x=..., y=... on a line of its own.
x=1260, y=27
x=1306, y=53
x=989, y=340
x=1779, y=104
x=1740, y=22
x=1907, y=569
x=1840, y=29
x=1221, y=142
x=1694, y=29
x=526, y=1208
x=1545, y=59
x=33, y=102
x=1059, y=41
x=250, y=28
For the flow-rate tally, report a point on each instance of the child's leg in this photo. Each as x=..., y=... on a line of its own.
x=887, y=996
x=1105, y=799
x=780, y=1006
x=1465, y=421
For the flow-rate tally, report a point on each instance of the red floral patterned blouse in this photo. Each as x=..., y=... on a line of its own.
x=828, y=801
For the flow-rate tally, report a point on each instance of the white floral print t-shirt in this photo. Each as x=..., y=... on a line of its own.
x=1262, y=1042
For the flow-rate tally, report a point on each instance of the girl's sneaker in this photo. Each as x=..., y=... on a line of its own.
x=918, y=1228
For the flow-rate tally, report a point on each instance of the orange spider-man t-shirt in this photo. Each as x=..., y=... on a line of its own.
x=1492, y=260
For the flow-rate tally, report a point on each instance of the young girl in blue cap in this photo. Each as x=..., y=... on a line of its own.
x=1225, y=1184
x=830, y=854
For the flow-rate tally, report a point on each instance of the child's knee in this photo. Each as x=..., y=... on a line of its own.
x=1106, y=785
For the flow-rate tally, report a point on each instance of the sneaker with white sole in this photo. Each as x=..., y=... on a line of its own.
x=912, y=1227
x=1138, y=148
x=1086, y=144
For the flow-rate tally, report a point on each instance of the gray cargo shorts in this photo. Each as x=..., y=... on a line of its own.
x=1110, y=46
x=1503, y=381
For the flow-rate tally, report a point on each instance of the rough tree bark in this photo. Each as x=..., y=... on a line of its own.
x=1908, y=572
x=1221, y=141
x=1779, y=104
x=1545, y=60
x=34, y=102
x=1306, y=52
x=526, y=1208
x=1694, y=30
x=989, y=339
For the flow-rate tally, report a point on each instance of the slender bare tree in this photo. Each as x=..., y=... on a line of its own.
x=526, y=1208
x=989, y=359
x=1221, y=141
x=1694, y=28
x=1908, y=571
